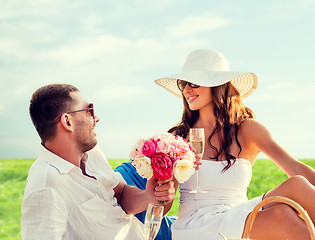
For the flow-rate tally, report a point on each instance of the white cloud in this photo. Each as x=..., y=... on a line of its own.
x=286, y=92
x=12, y=49
x=92, y=23
x=306, y=3
x=85, y=49
x=118, y=143
x=2, y=108
x=280, y=86
x=120, y=94
x=113, y=50
x=29, y=8
x=195, y=24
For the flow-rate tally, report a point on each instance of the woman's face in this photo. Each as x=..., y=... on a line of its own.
x=197, y=98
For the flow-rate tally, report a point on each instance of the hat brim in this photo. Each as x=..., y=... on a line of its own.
x=245, y=83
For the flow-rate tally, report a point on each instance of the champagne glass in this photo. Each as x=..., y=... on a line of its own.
x=197, y=141
x=153, y=218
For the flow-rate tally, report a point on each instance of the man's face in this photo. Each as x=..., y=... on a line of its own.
x=84, y=123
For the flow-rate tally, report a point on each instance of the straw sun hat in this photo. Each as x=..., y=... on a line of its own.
x=209, y=69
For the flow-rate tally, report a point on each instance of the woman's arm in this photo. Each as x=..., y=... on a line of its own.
x=264, y=142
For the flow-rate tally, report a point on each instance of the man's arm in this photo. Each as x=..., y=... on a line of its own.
x=44, y=215
x=134, y=200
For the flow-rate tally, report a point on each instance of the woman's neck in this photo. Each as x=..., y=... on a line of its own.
x=206, y=118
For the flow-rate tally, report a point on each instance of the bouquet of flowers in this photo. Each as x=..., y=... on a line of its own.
x=162, y=156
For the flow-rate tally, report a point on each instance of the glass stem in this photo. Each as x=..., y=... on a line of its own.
x=198, y=179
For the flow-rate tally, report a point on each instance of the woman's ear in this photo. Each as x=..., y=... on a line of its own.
x=66, y=122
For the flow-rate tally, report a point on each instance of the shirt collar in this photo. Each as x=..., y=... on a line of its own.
x=59, y=163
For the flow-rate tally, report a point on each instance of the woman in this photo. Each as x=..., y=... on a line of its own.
x=212, y=100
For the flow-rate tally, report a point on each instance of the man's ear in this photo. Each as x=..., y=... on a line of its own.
x=66, y=122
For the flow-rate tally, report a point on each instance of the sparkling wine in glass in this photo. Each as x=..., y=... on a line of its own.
x=153, y=220
x=197, y=141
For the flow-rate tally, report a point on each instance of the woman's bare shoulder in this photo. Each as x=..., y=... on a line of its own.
x=252, y=124
x=253, y=136
x=254, y=130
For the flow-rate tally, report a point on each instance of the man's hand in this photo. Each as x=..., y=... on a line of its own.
x=134, y=200
x=160, y=190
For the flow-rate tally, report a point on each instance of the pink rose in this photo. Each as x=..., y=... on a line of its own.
x=149, y=147
x=177, y=150
x=183, y=143
x=136, y=150
x=165, y=136
x=163, y=146
x=162, y=166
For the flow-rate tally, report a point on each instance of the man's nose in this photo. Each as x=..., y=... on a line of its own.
x=96, y=119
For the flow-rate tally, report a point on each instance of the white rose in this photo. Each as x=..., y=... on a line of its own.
x=183, y=169
x=143, y=166
x=189, y=155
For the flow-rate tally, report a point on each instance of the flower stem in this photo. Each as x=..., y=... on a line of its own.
x=161, y=203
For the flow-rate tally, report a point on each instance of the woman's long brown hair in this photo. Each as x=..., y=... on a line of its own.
x=229, y=112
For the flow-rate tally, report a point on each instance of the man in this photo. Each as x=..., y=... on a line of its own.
x=71, y=190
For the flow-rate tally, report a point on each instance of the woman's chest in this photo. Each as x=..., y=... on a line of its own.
x=218, y=146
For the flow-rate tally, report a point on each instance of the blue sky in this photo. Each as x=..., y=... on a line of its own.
x=113, y=50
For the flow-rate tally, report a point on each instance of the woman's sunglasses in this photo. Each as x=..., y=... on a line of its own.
x=182, y=84
x=90, y=109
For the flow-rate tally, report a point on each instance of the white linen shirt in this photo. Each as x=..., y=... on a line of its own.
x=61, y=203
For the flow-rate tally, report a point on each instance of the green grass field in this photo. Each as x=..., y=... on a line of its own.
x=13, y=173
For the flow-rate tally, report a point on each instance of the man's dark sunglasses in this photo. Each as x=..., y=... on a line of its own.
x=90, y=109
x=182, y=84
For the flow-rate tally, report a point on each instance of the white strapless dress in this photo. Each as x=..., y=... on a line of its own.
x=223, y=209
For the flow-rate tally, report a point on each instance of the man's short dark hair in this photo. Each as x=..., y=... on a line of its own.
x=47, y=103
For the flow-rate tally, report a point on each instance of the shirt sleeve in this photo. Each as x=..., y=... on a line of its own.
x=44, y=215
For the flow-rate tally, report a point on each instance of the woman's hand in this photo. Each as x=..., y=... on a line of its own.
x=197, y=162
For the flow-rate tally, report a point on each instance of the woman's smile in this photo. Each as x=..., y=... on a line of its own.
x=191, y=98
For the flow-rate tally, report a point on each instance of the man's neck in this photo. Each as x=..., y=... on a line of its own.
x=83, y=169
x=65, y=151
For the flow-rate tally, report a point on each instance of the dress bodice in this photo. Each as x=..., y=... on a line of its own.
x=223, y=187
x=222, y=209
